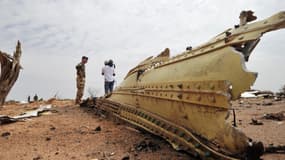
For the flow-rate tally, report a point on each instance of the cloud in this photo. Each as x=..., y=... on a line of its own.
x=56, y=33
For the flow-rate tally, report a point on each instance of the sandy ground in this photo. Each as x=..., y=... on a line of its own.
x=271, y=132
x=71, y=132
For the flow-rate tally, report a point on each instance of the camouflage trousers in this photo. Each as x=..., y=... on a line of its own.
x=80, y=83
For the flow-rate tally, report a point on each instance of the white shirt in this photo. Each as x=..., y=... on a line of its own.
x=108, y=73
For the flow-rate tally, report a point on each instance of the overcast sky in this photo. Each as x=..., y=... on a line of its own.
x=56, y=33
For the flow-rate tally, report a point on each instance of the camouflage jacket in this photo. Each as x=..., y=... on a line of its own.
x=80, y=68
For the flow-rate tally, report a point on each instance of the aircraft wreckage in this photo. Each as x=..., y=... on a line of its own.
x=10, y=69
x=186, y=99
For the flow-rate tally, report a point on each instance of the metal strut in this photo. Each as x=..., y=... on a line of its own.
x=179, y=137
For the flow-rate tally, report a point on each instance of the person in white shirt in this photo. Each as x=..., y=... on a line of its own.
x=108, y=71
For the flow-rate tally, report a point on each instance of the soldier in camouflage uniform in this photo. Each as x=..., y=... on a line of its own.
x=80, y=79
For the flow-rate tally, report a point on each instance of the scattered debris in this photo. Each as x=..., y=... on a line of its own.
x=248, y=95
x=153, y=146
x=6, y=134
x=37, y=158
x=97, y=128
x=275, y=149
x=267, y=103
x=257, y=93
x=277, y=98
x=52, y=128
x=34, y=113
x=87, y=130
x=6, y=119
x=280, y=95
x=112, y=153
x=142, y=146
x=240, y=122
x=89, y=102
x=255, y=122
x=254, y=150
x=147, y=145
x=274, y=116
x=265, y=94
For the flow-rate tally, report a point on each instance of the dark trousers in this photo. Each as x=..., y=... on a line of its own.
x=108, y=87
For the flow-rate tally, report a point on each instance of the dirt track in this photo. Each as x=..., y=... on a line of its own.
x=71, y=132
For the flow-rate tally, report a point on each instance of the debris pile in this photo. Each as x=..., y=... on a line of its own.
x=5, y=134
x=257, y=93
x=275, y=149
x=255, y=122
x=275, y=116
x=146, y=145
x=6, y=119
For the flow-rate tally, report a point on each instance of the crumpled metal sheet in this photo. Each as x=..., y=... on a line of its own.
x=34, y=113
x=4, y=119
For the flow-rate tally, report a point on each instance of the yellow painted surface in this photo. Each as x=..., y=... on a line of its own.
x=202, y=107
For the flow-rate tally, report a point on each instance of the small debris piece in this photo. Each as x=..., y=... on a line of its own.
x=153, y=146
x=280, y=95
x=37, y=158
x=6, y=119
x=34, y=113
x=147, y=145
x=277, y=99
x=5, y=134
x=275, y=149
x=48, y=139
x=97, y=128
x=254, y=150
x=112, y=153
x=275, y=116
x=142, y=146
x=267, y=103
x=52, y=128
x=89, y=102
x=255, y=122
